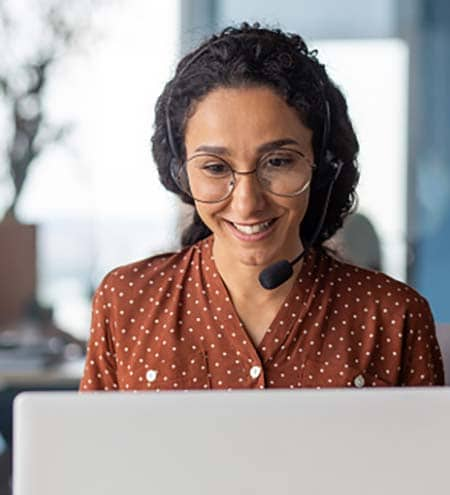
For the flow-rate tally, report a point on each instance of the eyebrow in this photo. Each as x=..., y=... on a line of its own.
x=264, y=148
x=273, y=145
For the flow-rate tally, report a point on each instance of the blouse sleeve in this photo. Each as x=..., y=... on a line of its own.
x=422, y=360
x=100, y=366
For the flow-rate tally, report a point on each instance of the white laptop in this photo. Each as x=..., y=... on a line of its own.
x=385, y=441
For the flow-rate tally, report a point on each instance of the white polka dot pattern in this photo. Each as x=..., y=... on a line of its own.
x=167, y=323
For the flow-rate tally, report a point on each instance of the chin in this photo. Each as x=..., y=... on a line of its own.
x=252, y=261
x=259, y=259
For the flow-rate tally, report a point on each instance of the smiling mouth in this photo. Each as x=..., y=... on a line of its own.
x=255, y=228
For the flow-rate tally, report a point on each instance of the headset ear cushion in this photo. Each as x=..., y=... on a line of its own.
x=327, y=172
x=181, y=181
x=174, y=167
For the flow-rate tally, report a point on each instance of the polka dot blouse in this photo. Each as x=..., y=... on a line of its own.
x=167, y=323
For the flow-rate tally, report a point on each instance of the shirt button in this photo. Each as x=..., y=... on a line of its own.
x=359, y=381
x=151, y=375
x=255, y=371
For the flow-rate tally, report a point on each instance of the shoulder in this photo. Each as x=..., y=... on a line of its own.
x=368, y=286
x=156, y=270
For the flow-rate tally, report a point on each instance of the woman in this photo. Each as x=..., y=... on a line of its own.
x=255, y=135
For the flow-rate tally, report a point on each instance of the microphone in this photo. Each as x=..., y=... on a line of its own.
x=278, y=273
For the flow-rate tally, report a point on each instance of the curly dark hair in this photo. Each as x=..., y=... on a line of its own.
x=250, y=55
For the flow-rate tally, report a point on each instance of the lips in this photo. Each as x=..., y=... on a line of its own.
x=254, y=228
x=252, y=232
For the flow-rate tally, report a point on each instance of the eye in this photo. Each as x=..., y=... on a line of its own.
x=217, y=169
x=280, y=160
x=208, y=167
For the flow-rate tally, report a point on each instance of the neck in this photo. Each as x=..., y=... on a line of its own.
x=242, y=280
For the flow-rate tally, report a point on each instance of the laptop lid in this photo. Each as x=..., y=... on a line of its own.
x=245, y=442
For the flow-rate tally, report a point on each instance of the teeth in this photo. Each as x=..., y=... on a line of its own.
x=252, y=229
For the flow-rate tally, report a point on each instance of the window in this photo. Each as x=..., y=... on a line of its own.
x=373, y=74
x=96, y=197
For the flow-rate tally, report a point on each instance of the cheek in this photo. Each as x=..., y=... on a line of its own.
x=206, y=212
x=299, y=207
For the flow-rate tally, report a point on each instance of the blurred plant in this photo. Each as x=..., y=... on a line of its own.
x=34, y=36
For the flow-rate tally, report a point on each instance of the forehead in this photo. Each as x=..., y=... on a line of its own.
x=242, y=119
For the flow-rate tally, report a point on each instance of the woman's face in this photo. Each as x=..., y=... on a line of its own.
x=253, y=226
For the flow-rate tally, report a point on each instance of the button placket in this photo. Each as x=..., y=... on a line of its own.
x=255, y=371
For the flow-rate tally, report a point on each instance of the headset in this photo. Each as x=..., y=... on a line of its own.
x=277, y=273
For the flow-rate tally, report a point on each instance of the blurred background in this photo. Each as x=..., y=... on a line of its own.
x=79, y=194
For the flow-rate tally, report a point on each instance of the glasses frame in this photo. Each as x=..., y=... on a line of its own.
x=235, y=172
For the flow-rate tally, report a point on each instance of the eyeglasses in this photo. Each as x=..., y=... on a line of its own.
x=208, y=178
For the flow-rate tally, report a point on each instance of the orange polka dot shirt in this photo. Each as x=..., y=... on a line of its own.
x=167, y=323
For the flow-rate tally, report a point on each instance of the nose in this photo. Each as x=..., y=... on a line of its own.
x=248, y=197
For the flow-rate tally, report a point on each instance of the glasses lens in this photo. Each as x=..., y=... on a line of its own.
x=210, y=178
x=284, y=172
